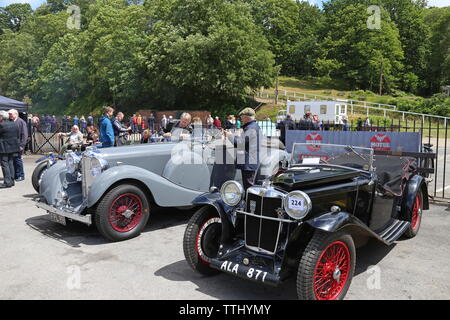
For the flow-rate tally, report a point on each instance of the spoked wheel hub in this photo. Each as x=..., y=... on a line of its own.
x=332, y=271
x=125, y=212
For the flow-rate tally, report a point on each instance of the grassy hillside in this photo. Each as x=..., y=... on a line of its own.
x=336, y=88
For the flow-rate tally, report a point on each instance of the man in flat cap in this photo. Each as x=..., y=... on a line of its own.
x=248, y=147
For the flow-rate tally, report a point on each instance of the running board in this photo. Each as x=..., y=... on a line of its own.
x=394, y=231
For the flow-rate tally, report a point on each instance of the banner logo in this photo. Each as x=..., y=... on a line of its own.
x=380, y=142
x=315, y=140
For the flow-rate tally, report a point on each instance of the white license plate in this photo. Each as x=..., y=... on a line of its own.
x=57, y=218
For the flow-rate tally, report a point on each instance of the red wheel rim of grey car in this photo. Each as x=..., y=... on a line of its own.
x=125, y=212
x=332, y=271
x=415, y=219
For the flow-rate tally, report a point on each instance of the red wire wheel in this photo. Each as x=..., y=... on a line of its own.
x=332, y=271
x=416, y=212
x=125, y=212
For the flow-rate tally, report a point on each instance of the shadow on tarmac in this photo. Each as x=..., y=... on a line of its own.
x=224, y=286
x=75, y=233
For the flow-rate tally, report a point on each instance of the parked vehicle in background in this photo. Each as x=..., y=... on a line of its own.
x=43, y=164
x=327, y=111
x=308, y=219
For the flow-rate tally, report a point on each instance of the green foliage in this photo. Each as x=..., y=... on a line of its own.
x=291, y=27
x=438, y=71
x=163, y=54
x=218, y=52
x=13, y=16
x=357, y=54
x=213, y=54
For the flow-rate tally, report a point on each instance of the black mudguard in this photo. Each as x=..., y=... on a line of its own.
x=416, y=183
x=215, y=200
x=334, y=221
x=337, y=221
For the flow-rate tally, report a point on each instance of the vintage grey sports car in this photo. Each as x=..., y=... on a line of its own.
x=307, y=219
x=116, y=188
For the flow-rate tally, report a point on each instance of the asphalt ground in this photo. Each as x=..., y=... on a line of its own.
x=40, y=259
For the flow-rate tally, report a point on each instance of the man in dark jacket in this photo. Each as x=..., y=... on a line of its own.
x=248, y=147
x=120, y=132
x=306, y=123
x=151, y=122
x=23, y=139
x=9, y=147
x=284, y=126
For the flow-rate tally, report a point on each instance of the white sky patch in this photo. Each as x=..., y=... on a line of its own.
x=438, y=3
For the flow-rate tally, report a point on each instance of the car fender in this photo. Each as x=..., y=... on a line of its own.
x=333, y=221
x=215, y=200
x=337, y=221
x=416, y=183
x=164, y=192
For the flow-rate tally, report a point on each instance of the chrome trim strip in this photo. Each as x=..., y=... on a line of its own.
x=265, y=192
x=260, y=222
x=87, y=219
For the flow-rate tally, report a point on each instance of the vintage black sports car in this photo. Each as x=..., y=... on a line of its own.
x=308, y=218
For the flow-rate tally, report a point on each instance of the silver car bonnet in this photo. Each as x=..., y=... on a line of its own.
x=152, y=157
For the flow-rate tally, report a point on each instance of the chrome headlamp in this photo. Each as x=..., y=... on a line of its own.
x=97, y=163
x=231, y=193
x=72, y=161
x=297, y=204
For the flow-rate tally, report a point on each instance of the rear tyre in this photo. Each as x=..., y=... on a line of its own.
x=326, y=267
x=122, y=213
x=38, y=173
x=416, y=217
x=202, y=240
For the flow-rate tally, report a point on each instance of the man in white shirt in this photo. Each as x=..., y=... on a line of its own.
x=75, y=139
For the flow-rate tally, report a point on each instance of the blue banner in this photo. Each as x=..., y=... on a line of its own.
x=387, y=141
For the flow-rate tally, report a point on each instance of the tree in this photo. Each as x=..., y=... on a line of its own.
x=13, y=16
x=291, y=28
x=414, y=35
x=115, y=43
x=18, y=64
x=438, y=68
x=61, y=76
x=202, y=51
x=362, y=55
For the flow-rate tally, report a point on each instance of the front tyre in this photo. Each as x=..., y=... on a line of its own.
x=416, y=217
x=202, y=240
x=122, y=213
x=326, y=267
x=38, y=172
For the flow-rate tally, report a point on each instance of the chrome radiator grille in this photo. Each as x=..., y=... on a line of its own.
x=87, y=178
x=262, y=234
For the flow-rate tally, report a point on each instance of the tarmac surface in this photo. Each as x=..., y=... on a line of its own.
x=40, y=259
